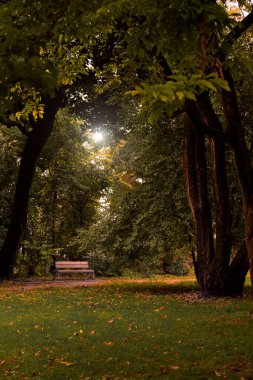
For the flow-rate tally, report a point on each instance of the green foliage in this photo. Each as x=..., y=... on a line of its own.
x=64, y=196
x=125, y=46
x=40, y=53
x=146, y=216
x=11, y=147
x=173, y=94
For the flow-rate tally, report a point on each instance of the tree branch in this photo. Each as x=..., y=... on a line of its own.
x=46, y=33
x=236, y=33
x=12, y=123
x=22, y=129
x=195, y=117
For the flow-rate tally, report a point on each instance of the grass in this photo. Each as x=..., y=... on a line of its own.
x=124, y=331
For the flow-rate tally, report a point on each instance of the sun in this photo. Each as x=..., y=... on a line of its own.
x=98, y=136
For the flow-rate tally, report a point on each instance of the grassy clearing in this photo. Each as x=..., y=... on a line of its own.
x=129, y=331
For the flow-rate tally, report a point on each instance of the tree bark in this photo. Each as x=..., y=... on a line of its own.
x=242, y=161
x=215, y=275
x=197, y=194
x=34, y=144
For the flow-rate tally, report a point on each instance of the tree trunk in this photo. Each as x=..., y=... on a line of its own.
x=235, y=279
x=242, y=161
x=34, y=144
x=215, y=275
x=197, y=194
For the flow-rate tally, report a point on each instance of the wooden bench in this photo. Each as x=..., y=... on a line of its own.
x=72, y=267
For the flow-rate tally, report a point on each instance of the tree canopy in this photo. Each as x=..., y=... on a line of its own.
x=160, y=66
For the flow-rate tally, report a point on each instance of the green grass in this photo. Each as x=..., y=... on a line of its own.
x=129, y=331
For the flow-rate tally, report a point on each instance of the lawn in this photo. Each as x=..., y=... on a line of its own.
x=124, y=331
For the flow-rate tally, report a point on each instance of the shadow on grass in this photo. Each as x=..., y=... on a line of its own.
x=181, y=289
x=158, y=289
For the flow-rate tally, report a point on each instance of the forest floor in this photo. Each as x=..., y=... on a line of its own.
x=123, y=329
x=79, y=282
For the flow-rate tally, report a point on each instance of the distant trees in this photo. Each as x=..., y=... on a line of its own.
x=144, y=224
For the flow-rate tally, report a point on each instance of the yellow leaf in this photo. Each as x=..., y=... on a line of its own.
x=180, y=95
x=67, y=364
x=35, y=114
x=18, y=115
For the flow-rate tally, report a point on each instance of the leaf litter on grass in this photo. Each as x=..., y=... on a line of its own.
x=139, y=334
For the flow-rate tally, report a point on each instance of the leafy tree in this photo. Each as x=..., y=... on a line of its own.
x=145, y=217
x=64, y=195
x=39, y=60
x=182, y=57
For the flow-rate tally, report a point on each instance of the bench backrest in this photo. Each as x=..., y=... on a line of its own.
x=71, y=264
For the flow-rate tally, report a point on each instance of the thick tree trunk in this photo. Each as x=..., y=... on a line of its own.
x=34, y=144
x=235, y=278
x=215, y=275
x=197, y=194
x=242, y=161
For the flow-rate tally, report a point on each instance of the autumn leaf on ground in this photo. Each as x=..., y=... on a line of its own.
x=67, y=364
x=108, y=343
x=174, y=367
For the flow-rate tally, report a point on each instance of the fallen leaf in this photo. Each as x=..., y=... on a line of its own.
x=67, y=364
x=108, y=343
x=174, y=367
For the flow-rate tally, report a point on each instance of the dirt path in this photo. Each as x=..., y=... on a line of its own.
x=29, y=285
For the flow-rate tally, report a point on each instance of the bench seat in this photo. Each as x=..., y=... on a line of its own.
x=72, y=267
